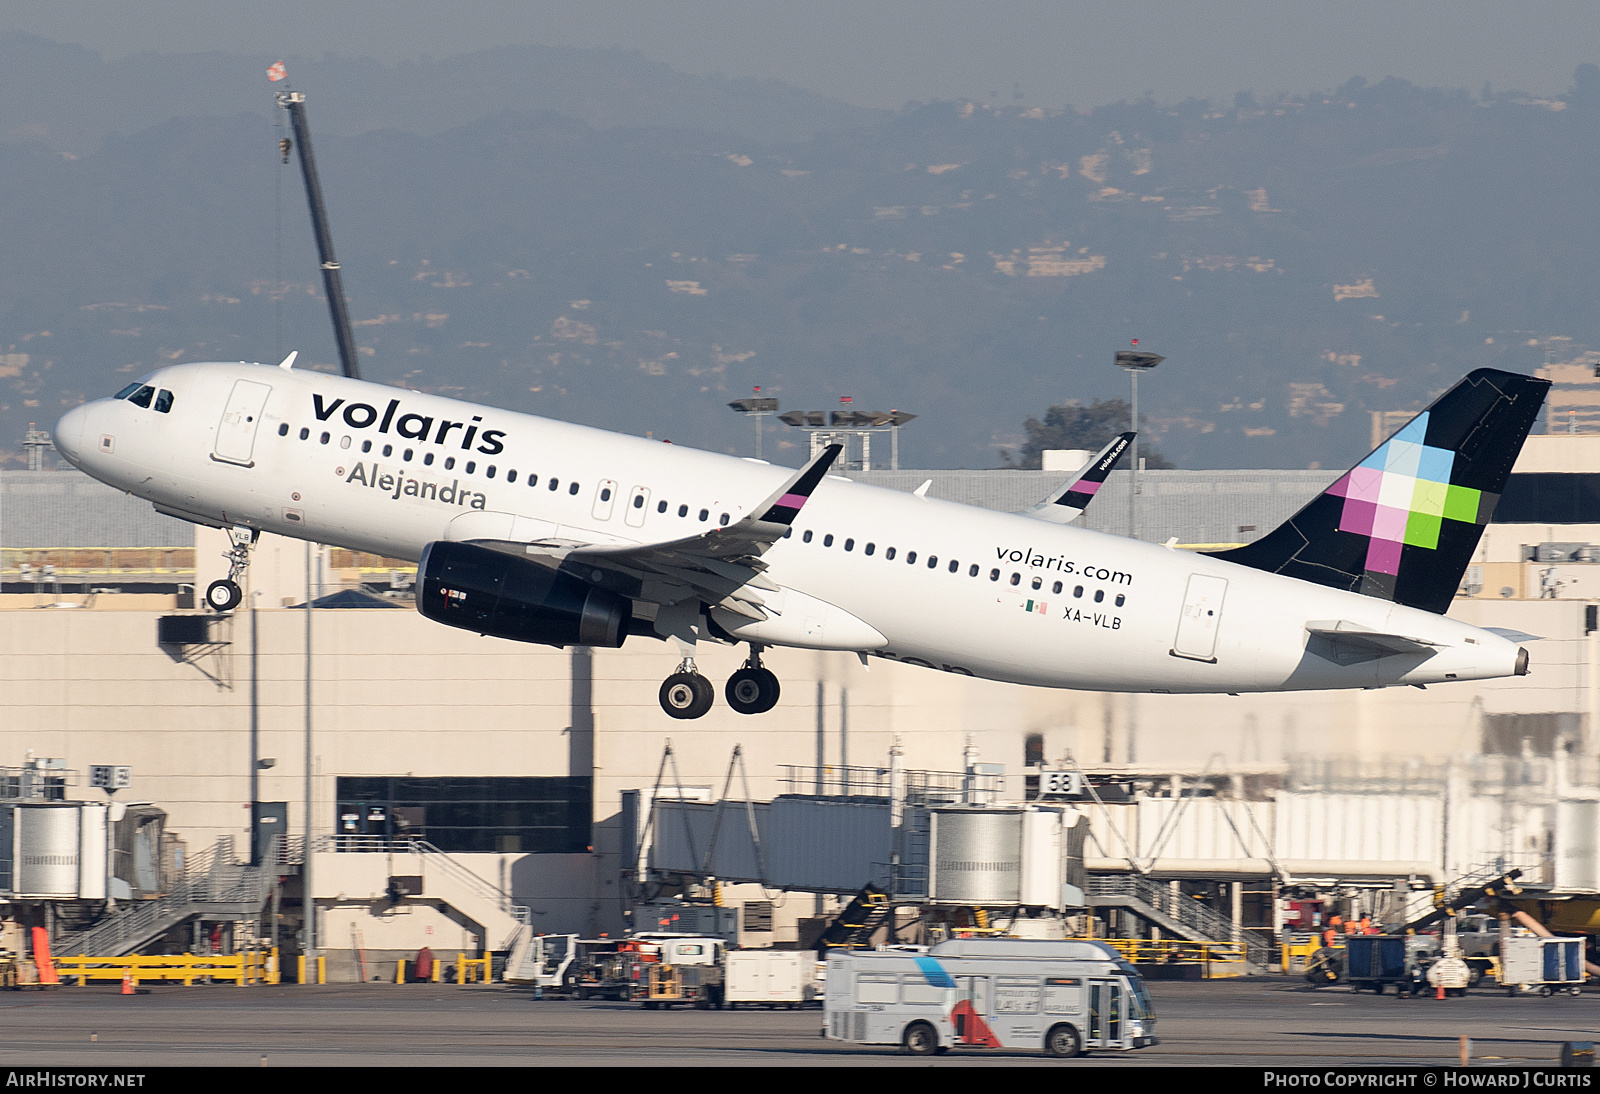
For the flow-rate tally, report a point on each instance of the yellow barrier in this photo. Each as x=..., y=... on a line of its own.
x=322, y=970
x=470, y=970
x=1217, y=959
x=249, y=967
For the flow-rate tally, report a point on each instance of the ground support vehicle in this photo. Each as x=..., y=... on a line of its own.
x=668, y=985
x=1375, y=961
x=546, y=963
x=1542, y=965
x=1063, y=998
x=770, y=978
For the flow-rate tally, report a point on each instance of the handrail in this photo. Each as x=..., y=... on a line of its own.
x=1191, y=913
x=434, y=856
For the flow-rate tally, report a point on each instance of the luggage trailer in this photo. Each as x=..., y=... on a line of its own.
x=1062, y=998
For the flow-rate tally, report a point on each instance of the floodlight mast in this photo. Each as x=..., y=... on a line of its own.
x=757, y=408
x=1134, y=362
x=343, y=335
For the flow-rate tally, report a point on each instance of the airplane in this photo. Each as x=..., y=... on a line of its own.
x=537, y=530
x=1072, y=497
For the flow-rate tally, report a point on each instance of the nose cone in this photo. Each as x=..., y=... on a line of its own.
x=70, y=433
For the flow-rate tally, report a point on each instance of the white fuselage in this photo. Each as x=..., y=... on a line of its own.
x=389, y=470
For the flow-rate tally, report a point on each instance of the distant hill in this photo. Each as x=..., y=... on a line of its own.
x=1301, y=263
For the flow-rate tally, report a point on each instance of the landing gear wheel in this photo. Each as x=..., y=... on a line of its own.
x=687, y=695
x=224, y=595
x=752, y=691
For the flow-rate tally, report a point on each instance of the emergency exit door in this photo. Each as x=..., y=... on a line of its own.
x=1105, y=1014
x=236, y=432
x=1202, y=614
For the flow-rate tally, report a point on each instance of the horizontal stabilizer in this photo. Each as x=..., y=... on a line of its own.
x=1348, y=643
x=1512, y=635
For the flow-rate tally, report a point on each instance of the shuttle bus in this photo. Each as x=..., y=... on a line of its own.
x=1063, y=998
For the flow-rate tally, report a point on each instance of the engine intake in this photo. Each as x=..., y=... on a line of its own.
x=476, y=589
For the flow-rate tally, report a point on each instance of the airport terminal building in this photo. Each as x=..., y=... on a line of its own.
x=537, y=771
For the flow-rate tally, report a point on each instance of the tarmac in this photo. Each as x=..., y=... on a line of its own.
x=1254, y=1021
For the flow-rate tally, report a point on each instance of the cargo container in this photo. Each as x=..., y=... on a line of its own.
x=770, y=978
x=1543, y=965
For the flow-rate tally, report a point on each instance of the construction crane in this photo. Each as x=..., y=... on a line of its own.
x=295, y=103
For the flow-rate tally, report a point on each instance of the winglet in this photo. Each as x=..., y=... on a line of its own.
x=1069, y=502
x=785, y=505
x=288, y=362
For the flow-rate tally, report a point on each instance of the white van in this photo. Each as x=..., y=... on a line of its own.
x=1063, y=998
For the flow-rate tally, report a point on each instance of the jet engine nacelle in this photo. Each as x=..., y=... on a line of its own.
x=490, y=592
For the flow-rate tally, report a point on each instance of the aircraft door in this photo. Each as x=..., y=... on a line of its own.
x=1202, y=613
x=638, y=506
x=236, y=433
x=605, y=499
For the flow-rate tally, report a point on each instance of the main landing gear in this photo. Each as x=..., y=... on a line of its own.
x=751, y=690
x=226, y=595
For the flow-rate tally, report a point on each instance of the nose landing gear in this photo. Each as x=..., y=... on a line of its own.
x=753, y=689
x=226, y=594
x=687, y=694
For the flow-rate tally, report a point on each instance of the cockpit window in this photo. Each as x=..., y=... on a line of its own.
x=143, y=396
x=127, y=391
x=163, y=401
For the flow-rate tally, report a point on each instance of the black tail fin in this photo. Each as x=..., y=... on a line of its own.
x=1402, y=525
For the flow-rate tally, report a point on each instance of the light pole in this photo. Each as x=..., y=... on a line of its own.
x=1133, y=362
x=758, y=408
x=307, y=899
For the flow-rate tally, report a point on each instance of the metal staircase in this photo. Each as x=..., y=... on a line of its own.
x=854, y=926
x=1183, y=918
x=213, y=887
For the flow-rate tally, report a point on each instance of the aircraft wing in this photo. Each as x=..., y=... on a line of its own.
x=1068, y=503
x=1349, y=643
x=722, y=567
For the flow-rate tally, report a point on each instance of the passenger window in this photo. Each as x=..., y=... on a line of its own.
x=683, y=510
x=1121, y=600
x=638, y=499
x=555, y=484
x=911, y=558
x=427, y=459
x=661, y=507
x=366, y=446
x=163, y=401
x=407, y=454
x=344, y=442
x=933, y=562
x=533, y=480
x=954, y=565
x=889, y=554
x=994, y=575
x=807, y=537
x=849, y=545
x=827, y=540
x=972, y=571
x=1038, y=583
x=573, y=489
x=704, y=513
x=325, y=438
x=869, y=548
x=1077, y=590
x=472, y=465
x=489, y=471
x=127, y=391
x=388, y=450
x=283, y=429
x=143, y=396
x=788, y=532
x=605, y=491
x=449, y=463
x=1099, y=595
x=511, y=476
x=304, y=433
x=723, y=520
x=1016, y=579
x=1056, y=588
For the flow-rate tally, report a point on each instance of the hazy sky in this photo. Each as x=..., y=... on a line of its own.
x=888, y=52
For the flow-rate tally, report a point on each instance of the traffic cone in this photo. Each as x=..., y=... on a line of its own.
x=127, y=982
x=1438, y=992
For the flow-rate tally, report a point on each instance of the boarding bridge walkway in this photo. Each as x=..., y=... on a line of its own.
x=213, y=887
x=1182, y=918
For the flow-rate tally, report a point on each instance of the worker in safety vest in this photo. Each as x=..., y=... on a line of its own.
x=1366, y=925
